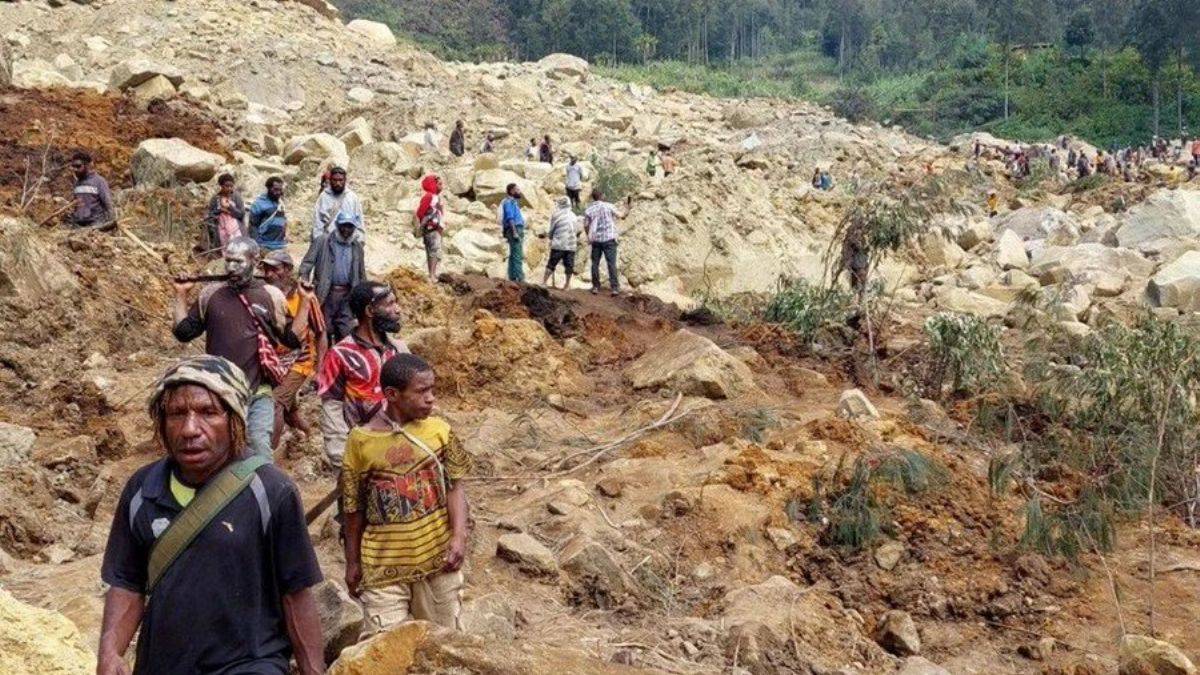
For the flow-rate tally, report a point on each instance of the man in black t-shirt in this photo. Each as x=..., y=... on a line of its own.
x=236, y=601
x=225, y=313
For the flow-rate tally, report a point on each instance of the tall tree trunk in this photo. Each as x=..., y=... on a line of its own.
x=1156, y=101
x=1179, y=89
x=1007, y=70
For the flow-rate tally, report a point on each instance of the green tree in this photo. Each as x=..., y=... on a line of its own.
x=1080, y=31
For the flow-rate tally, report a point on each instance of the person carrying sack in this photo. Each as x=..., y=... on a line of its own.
x=208, y=538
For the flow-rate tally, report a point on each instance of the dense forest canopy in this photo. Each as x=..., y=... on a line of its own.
x=1116, y=71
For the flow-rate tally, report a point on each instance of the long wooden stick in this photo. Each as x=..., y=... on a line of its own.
x=599, y=451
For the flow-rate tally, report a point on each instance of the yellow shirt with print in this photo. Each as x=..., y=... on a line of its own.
x=399, y=489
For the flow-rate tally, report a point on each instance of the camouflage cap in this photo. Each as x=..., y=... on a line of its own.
x=216, y=374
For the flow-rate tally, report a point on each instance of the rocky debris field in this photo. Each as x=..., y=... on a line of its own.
x=658, y=491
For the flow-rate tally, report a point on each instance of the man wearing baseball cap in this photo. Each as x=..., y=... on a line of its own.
x=278, y=268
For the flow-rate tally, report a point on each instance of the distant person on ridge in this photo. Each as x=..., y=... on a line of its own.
x=531, y=153
x=512, y=226
x=545, y=151
x=458, y=141
x=268, y=219
x=574, y=181
x=489, y=143
x=669, y=163
x=430, y=216
x=336, y=198
x=93, y=199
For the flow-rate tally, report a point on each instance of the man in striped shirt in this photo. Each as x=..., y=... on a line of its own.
x=405, y=505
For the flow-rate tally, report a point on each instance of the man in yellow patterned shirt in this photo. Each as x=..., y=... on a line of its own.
x=405, y=505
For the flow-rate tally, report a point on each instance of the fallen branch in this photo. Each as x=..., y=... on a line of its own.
x=598, y=451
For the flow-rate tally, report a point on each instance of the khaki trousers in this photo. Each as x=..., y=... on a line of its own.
x=436, y=598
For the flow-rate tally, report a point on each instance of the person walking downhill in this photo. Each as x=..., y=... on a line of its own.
x=333, y=265
x=226, y=214
x=243, y=320
x=279, y=270
x=512, y=226
x=208, y=559
x=405, y=505
x=564, y=240
x=430, y=216
x=600, y=223
x=268, y=219
x=348, y=379
x=336, y=198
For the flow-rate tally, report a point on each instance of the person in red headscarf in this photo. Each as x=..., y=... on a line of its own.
x=430, y=218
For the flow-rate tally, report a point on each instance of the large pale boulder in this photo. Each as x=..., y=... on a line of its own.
x=1177, y=284
x=36, y=640
x=691, y=364
x=377, y=33
x=1010, y=251
x=29, y=267
x=1141, y=655
x=897, y=633
x=341, y=617
x=490, y=185
x=1165, y=216
x=171, y=161
x=422, y=647
x=1088, y=263
x=386, y=157
x=134, y=71
x=562, y=66
x=157, y=87
x=325, y=9
x=1041, y=222
x=527, y=553
x=38, y=74
x=956, y=299
x=475, y=246
x=316, y=146
x=939, y=251
x=16, y=442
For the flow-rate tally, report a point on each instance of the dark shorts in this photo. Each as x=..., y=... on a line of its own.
x=566, y=257
x=288, y=391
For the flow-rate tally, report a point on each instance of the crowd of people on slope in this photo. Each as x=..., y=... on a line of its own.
x=214, y=526
x=1067, y=160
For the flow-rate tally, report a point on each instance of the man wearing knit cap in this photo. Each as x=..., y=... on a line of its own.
x=208, y=553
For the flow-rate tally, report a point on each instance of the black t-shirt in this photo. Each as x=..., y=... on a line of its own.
x=219, y=607
x=229, y=329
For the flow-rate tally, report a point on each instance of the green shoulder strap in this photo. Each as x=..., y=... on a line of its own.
x=211, y=500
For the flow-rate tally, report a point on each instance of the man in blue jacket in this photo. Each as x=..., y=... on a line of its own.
x=512, y=224
x=268, y=221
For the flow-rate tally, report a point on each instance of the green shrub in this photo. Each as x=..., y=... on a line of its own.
x=805, y=309
x=857, y=517
x=963, y=349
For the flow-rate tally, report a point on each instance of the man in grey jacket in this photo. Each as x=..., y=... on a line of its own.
x=564, y=239
x=334, y=264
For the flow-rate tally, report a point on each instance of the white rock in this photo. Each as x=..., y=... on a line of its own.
x=1087, y=262
x=1010, y=251
x=157, y=87
x=1165, y=215
x=1141, y=655
x=360, y=95
x=317, y=146
x=16, y=442
x=38, y=74
x=529, y=554
x=897, y=633
x=959, y=300
x=853, y=404
x=1177, y=284
x=134, y=71
x=377, y=33
x=693, y=365
x=170, y=161
x=561, y=66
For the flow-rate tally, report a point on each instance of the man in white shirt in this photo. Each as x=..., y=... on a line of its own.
x=600, y=223
x=336, y=198
x=574, y=181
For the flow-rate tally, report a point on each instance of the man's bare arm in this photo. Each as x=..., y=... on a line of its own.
x=304, y=630
x=353, y=547
x=123, y=611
